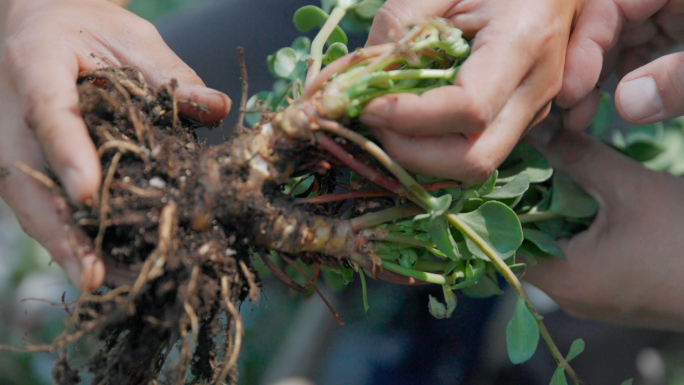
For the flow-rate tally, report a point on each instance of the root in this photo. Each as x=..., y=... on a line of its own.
x=42, y=178
x=104, y=207
x=229, y=364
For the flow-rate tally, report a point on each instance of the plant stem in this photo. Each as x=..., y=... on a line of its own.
x=329, y=198
x=372, y=175
x=404, y=239
x=419, y=196
x=384, y=216
x=537, y=216
x=423, y=265
x=508, y=274
x=318, y=43
x=419, y=275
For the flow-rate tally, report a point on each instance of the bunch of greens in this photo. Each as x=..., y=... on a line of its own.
x=429, y=229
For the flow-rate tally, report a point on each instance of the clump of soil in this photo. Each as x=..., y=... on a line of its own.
x=173, y=266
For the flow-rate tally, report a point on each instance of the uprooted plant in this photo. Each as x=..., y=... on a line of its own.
x=176, y=222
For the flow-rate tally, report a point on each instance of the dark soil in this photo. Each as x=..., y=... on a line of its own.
x=175, y=223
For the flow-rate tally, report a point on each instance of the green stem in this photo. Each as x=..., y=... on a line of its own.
x=404, y=239
x=513, y=280
x=419, y=195
x=362, y=277
x=384, y=216
x=318, y=43
x=423, y=265
x=537, y=216
x=419, y=275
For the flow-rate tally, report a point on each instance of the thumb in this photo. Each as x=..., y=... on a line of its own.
x=594, y=166
x=395, y=14
x=653, y=92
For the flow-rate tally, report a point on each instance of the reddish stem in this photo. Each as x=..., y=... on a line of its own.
x=348, y=159
x=329, y=198
x=332, y=309
x=279, y=273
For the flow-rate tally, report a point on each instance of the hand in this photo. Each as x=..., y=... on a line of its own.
x=623, y=35
x=45, y=45
x=628, y=266
x=466, y=130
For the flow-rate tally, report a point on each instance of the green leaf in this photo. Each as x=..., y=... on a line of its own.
x=310, y=16
x=336, y=51
x=576, y=349
x=283, y=63
x=525, y=158
x=485, y=288
x=628, y=382
x=498, y=225
x=559, y=377
x=544, y=242
x=439, y=232
x=644, y=142
x=603, y=122
x=302, y=46
x=487, y=186
x=569, y=200
x=522, y=334
x=513, y=189
x=440, y=310
x=475, y=270
x=265, y=97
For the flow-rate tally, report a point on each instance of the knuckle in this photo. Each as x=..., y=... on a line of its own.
x=479, y=169
x=479, y=116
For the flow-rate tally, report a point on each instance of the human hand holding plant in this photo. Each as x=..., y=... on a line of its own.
x=466, y=130
x=623, y=35
x=626, y=267
x=45, y=45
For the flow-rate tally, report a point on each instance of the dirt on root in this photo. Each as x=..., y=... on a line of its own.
x=174, y=269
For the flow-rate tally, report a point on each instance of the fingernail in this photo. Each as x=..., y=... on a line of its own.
x=92, y=273
x=216, y=104
x=73, y=272
x=640, y=99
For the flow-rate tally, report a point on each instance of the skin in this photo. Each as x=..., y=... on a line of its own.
x=41, y=123
x=626, y=267
x=621, y=35
x=515, y=69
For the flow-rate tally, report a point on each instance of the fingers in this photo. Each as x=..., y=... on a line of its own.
x=160, y=65
x=393, y=16
x=482, y=87
x=653, y=92
x=470, y=159
x=41, y=214
x=49, y=99
x=596, y=31
x=585, y=159
x=580, y=117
